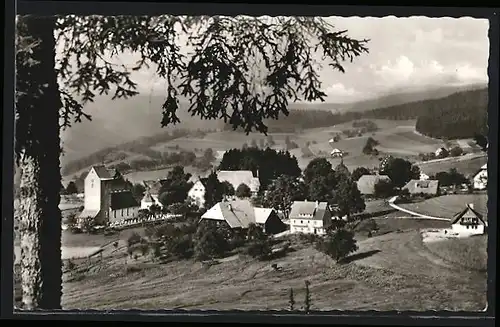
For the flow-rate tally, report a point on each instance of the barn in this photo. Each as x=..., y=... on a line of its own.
x=239, y=214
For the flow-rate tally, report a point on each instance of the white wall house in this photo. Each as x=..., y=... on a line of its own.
x=423, y=176
x=441, y=151
x=123, y=206
x=468, y=222
x=480, y=179
x=148, y=200
x=237, y=177
x=197, y=193
x=336, y=153
x=310, y=217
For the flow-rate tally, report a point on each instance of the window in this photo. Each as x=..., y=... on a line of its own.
x=301, y=221
x=114, y=213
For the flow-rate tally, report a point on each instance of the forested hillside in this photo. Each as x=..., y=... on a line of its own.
x=459, y=115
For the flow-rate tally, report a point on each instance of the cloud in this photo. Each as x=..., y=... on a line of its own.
x=338, y=90
x=405, y=72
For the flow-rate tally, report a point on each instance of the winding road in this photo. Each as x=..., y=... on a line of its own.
x=416, y=214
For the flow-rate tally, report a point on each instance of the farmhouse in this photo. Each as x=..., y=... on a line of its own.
x=148, y=200
x=106, y=198
x=239, y=214
x=366, y=183
x=441, y=152
x=310, y=217
x=237, y=177
x=416, y=186
x=153, y=189
x=336, y=153
x=469, y=221
x=480, y=179
x=197, y=193
x=423, y=176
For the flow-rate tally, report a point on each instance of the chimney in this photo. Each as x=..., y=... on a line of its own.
x=230, y=207
x=471, y=205
x=317, y=204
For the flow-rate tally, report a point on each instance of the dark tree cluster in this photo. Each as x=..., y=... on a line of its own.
x=450, y=178
x=269, y=164
x=369, y=148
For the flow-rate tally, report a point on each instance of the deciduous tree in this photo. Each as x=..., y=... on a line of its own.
x=283, y=192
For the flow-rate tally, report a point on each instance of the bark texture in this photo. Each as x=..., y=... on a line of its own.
x=38, y=150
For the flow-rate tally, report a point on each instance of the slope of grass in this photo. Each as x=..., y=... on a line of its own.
x=469, y=252
x=447, y=205
x=467, y=165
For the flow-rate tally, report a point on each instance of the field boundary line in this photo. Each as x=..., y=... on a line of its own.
x=391, y=203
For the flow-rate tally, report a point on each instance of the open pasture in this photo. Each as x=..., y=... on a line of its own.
x=448, y=205
x=467, y=164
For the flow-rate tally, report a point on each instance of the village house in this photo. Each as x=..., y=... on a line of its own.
x=152, y=193
x=423, y=176
x=239, y=214
x=416, y=186
x=310, y=217
x=336, y=153
x=441, y=152
x=197, y=193
x=238, y=177
x=366, y=183
x=149, y=200
x=106, y=198
x=469, y=221
x=480, y=179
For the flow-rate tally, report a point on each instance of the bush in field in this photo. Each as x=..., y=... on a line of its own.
x=208, y=242
x=456, y=151
x=135, y=238
x=338, y=244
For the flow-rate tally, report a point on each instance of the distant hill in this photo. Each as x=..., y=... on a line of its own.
x=392, y=98
x=115, y=122
x=118, y=121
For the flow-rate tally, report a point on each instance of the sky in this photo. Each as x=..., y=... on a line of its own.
x=404, y=54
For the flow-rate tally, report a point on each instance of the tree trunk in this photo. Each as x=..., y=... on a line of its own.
x=38, y=150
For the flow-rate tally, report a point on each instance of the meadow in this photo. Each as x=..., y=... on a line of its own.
x=448, y=205
x=393, y=271
x=397, y=138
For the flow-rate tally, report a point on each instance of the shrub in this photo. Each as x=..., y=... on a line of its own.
x=259, y=248
x=134, y=239
x=338, y=244
x=243, y=191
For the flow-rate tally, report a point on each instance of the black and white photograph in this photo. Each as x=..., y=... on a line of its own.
x=293, y=163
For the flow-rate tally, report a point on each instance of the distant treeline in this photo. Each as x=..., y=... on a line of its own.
x=459, y=115
x=139, y=146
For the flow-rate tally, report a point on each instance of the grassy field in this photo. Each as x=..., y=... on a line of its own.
x=389, y=272
x=397, y=138
x=466, y=165
x=447, y=205
x=470, y=253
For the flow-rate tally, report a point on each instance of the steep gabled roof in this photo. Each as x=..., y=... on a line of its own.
x=308, y=210
x=238, y=213
x=148, y=198
x=467, y=212
x=104, y=173
x=416, y=186
x=123, y=200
